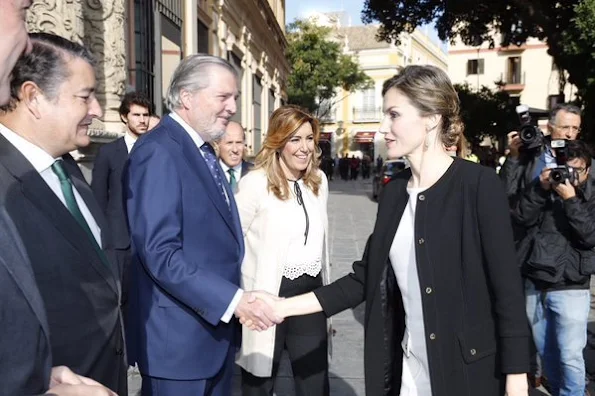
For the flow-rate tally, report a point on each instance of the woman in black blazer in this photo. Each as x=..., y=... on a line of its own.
x=444, y=302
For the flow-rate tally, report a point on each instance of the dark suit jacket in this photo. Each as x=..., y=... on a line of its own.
x=81, y=294
x=25, y=359
x=476, y=329
x=187, y=249
x=246, y=167
x=107, y=187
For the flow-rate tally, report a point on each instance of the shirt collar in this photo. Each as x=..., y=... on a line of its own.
x=237, y=169
x=129, y=139
x=38, y=157
x=193, y=134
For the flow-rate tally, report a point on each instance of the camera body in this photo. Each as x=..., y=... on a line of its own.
x=529, y=133
x=561, y=172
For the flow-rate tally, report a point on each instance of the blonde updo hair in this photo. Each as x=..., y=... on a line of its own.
x=430, y=91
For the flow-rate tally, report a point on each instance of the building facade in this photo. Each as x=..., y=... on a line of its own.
x=527, y=72
x=139, y=43
x=351, y=121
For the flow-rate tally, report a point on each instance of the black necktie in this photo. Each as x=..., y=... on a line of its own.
x=211, y=159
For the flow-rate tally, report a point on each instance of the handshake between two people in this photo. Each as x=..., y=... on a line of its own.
x=259, y=310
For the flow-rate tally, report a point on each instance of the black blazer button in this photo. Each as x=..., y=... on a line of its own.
x=119, y=351
x=422, y=197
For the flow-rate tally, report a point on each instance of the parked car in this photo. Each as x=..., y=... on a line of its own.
x=389, y=169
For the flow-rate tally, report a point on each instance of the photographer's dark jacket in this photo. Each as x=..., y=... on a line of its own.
x=472, y=298
x=558, y=251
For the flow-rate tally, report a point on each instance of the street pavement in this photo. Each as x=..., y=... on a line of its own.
x=352, y=213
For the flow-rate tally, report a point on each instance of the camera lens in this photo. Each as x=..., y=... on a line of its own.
x=527, y=134
x=556, y=176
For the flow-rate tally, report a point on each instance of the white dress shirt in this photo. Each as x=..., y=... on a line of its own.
x=237, y=171
x=42, y=162
x=199, y=142
x=129, y=140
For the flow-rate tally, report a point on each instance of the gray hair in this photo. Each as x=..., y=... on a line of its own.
x=567, y=107
x=193, y=74
x=45, y=65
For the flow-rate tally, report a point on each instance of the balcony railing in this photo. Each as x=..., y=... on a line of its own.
x=512, y=81
x=367, y=114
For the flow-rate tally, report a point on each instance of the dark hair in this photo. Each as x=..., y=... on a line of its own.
x=567, y=107
x=45, y=65
x=135, y=98
x=581, y=150
x=430, y=91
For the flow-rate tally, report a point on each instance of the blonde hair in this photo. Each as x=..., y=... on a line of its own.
x=284, y=123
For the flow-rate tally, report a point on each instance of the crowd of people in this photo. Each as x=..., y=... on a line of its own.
x=183, y=259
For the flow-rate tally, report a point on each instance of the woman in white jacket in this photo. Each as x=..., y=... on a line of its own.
x=282, y=205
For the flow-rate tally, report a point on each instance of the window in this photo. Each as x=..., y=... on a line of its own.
x=236, y=62
x=271, y=102
x=256, y=106
x=369, y=99
x=475, y=66
x=144, y=49
x=513, y=74
x=203, y=38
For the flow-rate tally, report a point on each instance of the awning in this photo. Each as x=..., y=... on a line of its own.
x=364, y=137
x=325, y=137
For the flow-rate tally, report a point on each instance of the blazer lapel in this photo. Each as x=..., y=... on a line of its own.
x=85, y=191
x=199, y=165
x=39, y=193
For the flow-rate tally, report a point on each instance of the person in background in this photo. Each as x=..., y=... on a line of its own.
x=443, y=291
x=154, y=120
x=231, y=147
x=283, y=210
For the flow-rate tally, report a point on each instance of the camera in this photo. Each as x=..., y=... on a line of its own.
x=530, y=134
x=561, y=172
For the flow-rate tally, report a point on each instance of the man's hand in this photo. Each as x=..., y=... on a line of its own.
x=565, y=190
x=514, y=144
x=517, y=385
x=80, y=390
x=63, y=382
x=544, y=179
x=256, y=308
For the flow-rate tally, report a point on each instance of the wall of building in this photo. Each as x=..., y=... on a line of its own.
x=538, y=77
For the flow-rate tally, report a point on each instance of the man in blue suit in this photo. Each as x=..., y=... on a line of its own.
x=187, y=243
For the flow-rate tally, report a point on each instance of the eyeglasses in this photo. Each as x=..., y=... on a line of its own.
x=578, y=170
x=567, y=128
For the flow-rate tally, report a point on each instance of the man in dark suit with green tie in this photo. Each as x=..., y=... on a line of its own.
x=231, y=149
x=56, y=220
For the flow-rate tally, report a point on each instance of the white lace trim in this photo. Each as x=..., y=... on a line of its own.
x=294, y=271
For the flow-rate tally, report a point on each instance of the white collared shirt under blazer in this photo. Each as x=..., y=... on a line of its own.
x=270, y=237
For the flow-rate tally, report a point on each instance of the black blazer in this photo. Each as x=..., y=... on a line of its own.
x=80, y=293
x=25, y=363
x=107, y=187
x=475, y=323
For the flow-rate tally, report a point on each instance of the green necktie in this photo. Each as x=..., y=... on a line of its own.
x=232, y=180
x=73, y=207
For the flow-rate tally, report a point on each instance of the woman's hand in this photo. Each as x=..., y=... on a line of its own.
x=271, y=301
x=517, y=385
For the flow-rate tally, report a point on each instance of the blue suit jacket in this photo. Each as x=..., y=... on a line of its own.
x=187, y=248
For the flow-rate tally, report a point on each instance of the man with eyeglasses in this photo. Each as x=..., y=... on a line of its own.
x=522, y=169
x=559, y=215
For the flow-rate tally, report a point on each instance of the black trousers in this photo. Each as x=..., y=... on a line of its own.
x=305, y=339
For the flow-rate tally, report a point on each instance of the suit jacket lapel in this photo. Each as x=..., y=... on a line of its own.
x=14, y=258
x=121, y=151
x=39, y=193
x=85, y=191
x=199, y=165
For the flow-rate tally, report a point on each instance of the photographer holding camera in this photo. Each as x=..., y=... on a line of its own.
x=529, y=156
x=558, y=211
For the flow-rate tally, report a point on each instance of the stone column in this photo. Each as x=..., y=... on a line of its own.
x=99, y=25
x=189, y=28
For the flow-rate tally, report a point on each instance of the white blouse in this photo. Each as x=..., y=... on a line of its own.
x=304, y=254
x=415, y=379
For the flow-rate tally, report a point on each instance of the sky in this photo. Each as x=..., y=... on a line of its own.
x=304, y=8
